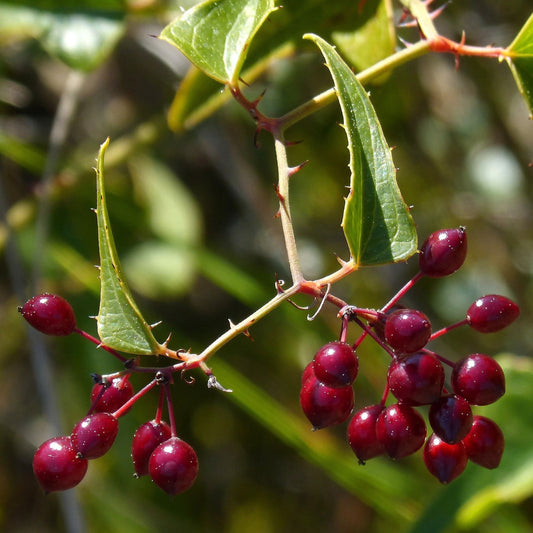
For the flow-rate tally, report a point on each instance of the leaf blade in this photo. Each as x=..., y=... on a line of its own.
x=120, y=323
x=215, y=34
x=376, y=221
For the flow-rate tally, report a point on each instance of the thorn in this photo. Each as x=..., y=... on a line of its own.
x=155, y=324
x=246, y=333
x=291, y=143
x=341, y=261
x=167, y=340
x=277, y=214
x=98, y=267
x=294, y=170
x=278, y=194
x=231, y=324
x=95, y=317
x=406, y=43
x=243, y=82
x=279, y=284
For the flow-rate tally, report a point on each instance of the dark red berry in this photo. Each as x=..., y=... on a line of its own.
x=491, y=313
x=57, y=466
x=93, y=435
x=443, y=252
x=336, y=364
x=325, y=406
x=111, y=397
x=49, y=314
x=362, y=433
x=479, y=379
x=451, y=418
x=401, y=430
x=146, y=439
x=445, y=461
x=308, y=372
x=416, y=379
x=173, y=466
x=407, y=330
x=485, y=442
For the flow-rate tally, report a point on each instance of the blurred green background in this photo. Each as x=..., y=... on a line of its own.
x=194, y=221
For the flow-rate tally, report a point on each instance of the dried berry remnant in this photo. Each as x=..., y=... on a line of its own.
x=336, y=365
x=50, y=314
x=443, y=252
x=57, y=465
x=173, y=466
x=492, y=313
x=407, y=330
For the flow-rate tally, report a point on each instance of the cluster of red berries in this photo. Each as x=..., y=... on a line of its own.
x=61, y=462
x=416, y=377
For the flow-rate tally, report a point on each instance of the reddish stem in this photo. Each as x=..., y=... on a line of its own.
x=170, y=409
x=99, y=344
x=447, y=329
x=122, y=410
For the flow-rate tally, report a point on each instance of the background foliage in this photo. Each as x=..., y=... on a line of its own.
x=193, y=218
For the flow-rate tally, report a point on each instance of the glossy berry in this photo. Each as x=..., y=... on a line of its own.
x=56, y=465
x=492, y=313
x=407, y=330
x=173, y=466
x=362, y=433
x=479, y=379
x=443, y=252
x=111, y=397
x=485, y=442
x=336, y=365
x=93, y=435
x=445, y=461
x=416, y=379
x=451, y=418
x=50, y=314
x=146, y=439
x=401, y=430
x=325, y=406
x=308, y=372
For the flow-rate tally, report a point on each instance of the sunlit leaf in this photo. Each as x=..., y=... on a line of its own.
x=81, y=34
x=346, y=23
x=520, y=59
x=215, y=34
x=376, y=222
x=120, y=323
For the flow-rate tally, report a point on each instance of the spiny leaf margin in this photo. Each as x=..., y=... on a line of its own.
x=376, y=221
x=120, y=323
x=214, y=35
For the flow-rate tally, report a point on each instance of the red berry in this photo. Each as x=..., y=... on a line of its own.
x=445, y=461
x=173, y=466
x=401, y=430
x=491, y=313
x=443, y=252
x=407, y=330
x=57, y=466
x=485, y=442
x=146, y=439
x=49, y=314
x=325, y=406
x=362, y=433
x=336, y=365
x=479, y=379
x=114, y=395
x=93, y=435
x=451, y=418
x=308, y=372
x=416, y=379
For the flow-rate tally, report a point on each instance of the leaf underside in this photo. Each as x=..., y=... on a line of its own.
x=120, y=323
x=520, y=59
x=376, y=221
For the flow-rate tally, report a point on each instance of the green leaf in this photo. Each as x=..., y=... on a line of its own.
x=120, y=323
x=81, y=34
x=376, y=222
x=215, y=35
x=520, y=59
x=343, y=22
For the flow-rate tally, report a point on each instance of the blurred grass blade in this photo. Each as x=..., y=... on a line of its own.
x=376, y=222
x=120, y=323
x=215, y=34
x=520, y=59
